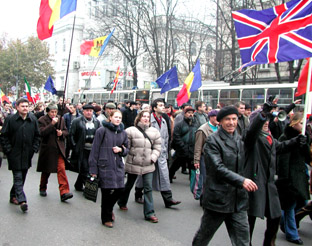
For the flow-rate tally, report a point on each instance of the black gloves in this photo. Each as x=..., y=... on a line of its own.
x=301, y=140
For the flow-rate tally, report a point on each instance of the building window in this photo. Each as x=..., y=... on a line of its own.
x=64, y=45
x=193, y=49
x=264, y=66
x=87, y=83
x=64, y=62
x=176, y=63
x=62, y=82
x=209, y=51
x=176, y=45
x=114, y=9
x=105, y=9
x=238, y=61
x=89, y=10
x=145, y=62
x=55, y=47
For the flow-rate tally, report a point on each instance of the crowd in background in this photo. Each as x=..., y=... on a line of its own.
x=253, y=162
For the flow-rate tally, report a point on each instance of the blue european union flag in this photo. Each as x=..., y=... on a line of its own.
x=168, y=80
x=49, y=86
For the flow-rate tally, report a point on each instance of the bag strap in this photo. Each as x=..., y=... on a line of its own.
x=145, y=135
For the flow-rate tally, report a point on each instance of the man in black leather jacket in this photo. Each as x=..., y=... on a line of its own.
x=225, y=190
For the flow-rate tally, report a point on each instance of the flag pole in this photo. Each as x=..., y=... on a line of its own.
x=68, y=63
x=307, y=99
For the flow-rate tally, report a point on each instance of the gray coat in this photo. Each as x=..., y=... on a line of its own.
x=161, y=174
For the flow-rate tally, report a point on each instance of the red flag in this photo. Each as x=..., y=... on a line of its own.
x=115, y=81
x=302, y=82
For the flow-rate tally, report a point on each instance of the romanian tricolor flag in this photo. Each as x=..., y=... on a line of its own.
x=3, y=97
x=96, y=46
x=51, y=11
x=191, y=83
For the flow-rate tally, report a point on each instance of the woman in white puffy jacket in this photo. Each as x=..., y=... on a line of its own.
x=144, y=149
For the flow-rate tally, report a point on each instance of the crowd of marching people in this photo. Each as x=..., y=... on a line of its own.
x=248, y=163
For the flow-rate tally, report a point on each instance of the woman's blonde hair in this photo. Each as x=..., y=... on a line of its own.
x=295, y=118
x=139, y=116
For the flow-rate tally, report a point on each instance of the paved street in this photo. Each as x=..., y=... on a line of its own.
x=77, y=222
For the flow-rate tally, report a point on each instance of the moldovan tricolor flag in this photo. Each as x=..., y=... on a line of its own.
x=93, y=47
x=302, y=82
x=191, y=83
x=28, y=91
x=96, y=46
x=50, y=11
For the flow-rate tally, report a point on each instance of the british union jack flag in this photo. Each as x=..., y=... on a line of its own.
x=279, y=34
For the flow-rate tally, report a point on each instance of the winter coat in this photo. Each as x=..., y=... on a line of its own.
x=293, y=182
x=260, y=167
x=142, y=155
x=128, y=117
x=20, y=139
x=242, y=124
x=169, y=125
x=161, y=180
x=78, y=136
x=223, y=188
x=68, y=119
x=184, y=138
x=200, y=138
x=103, y=162
x=51, y=145
x=200, y=119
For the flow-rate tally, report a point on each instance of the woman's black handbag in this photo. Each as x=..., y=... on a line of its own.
x=91, y=189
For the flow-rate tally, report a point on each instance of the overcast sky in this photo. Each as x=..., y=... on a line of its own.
x=19, y=18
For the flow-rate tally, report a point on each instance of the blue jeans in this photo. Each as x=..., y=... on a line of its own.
x=148, y=193
x=288, y=222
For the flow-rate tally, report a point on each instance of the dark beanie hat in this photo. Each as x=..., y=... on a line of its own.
x=227, y=110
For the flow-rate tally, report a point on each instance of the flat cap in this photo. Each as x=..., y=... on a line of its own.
x=110, y=105
x=88, y=106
